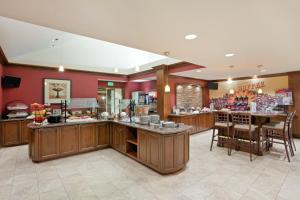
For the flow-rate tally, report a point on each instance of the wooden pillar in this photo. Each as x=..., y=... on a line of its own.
x=163, y=98
x=294, y=85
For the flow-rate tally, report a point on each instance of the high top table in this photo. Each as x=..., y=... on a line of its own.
x=259, y=118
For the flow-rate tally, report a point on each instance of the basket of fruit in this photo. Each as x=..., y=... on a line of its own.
x=38, y=110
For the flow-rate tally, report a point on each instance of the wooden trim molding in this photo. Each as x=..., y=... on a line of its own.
x=3, y=59
x=122, y=76
x=250, y=77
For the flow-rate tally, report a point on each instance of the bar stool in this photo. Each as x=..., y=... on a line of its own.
x=221, y=122
x=242, y=123
x=290, y=130
x=280, y=132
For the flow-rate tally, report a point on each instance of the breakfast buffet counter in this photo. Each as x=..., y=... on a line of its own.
x=165, y=150
x=199, y=122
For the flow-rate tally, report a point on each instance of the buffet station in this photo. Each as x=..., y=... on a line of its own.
x=189, y=108
x=78, y=127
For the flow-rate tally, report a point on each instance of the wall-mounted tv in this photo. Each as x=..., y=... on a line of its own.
x=212, y=86
x=10, y=82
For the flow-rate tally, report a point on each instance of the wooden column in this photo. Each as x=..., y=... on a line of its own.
x=163, y=98
x=294, y=85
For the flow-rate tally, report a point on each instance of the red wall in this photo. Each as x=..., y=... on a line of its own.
x=31, y=88
x=175, y=80
x=1, y=90
x=130, y=87
x=83, y=84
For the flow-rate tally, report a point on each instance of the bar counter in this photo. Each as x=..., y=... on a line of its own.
x=164, y=150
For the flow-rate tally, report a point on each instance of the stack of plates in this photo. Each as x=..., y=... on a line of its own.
x=168, y=124
x=154, y=119
x=144, y=119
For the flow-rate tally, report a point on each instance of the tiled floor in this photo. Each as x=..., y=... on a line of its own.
x=107, y=174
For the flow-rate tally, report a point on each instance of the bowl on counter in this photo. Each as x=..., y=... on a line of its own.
x=54, y=118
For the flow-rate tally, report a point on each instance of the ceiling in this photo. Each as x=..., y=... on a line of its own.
x=38, y=45
x=257, y=32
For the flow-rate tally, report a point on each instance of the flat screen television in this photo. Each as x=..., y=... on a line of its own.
x=212, y=86
x=10, y=82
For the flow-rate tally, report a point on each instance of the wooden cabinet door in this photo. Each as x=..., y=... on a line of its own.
x=49, y=143
x=11, y=133
x=168, y=152
x=69, y=140
x=115, y=136
x=87, y=137
x=24, y=131
x=179, y=146
x=102, y=135
x=153, y=150
x=119, y=138
x=123, y=138
x=142, y=146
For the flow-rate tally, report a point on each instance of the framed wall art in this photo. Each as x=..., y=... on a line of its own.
x=56, y=90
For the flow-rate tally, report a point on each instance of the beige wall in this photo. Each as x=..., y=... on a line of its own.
x=268, y=85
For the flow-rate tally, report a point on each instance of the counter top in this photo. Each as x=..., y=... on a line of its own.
x=13, y=119
x=163, y=131
x=189, y=114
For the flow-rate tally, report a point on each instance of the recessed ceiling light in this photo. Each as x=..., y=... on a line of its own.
x=255, y=77
x=229, y=80
x=229, y=54
x=190, y=36
x=198, y=70
x=61, y=68
x=116, y=70
x=167, y=53
x=55, y=40
x=263, y=70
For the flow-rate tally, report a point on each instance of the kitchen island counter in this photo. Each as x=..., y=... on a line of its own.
x=199, y=122
x=164, y=150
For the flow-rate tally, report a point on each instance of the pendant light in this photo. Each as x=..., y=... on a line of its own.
x=259, y=91
x=167, y=86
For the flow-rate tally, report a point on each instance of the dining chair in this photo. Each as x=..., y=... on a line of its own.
x=279, y=133
x=242, y=123
x=222, y=124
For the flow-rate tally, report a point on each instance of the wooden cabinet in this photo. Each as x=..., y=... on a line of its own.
x=102, y=135
x=153, y=150
x=199, y=122
x=14, y=132
x=118, y=137
x=148, y=148
x=142, y=146
x=24, y=131
x=10, y=133
x=48, y=143
x=69, y=140
x=164, y=153
x=87, y=137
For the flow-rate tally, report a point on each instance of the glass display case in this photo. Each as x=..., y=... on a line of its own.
x=80, y=109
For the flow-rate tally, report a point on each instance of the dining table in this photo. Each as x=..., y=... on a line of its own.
x=259, y=118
